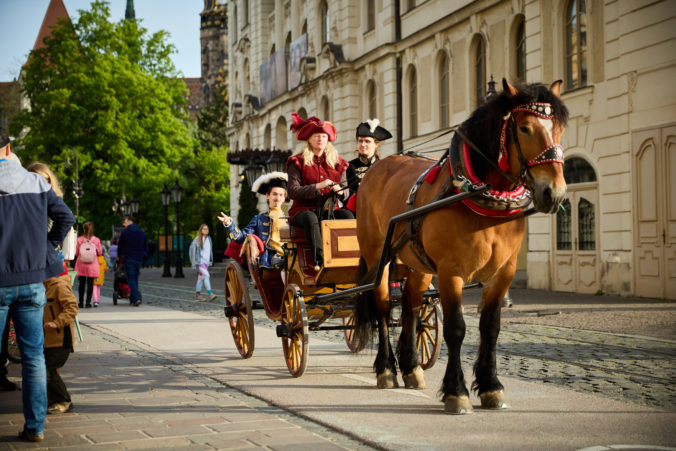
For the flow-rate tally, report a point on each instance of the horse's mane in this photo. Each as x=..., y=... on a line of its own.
x=485, y=124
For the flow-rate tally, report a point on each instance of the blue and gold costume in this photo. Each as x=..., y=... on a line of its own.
x=260, y=226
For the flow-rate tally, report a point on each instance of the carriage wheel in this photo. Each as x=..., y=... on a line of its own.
x=349, y=322
x=238, y=309
x=294, y=325
x=428, y=342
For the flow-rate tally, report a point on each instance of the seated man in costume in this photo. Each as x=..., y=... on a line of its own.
x=265, y=225
x=369, y=135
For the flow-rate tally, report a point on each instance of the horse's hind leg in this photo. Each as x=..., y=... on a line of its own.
x=416, y=285
x=385, y=364
x=490, y=390
x=454, y=388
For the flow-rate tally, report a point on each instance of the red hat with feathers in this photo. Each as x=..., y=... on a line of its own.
x=305, y=128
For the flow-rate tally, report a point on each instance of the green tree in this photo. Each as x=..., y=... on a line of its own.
x=108, y=93
x=247, y=204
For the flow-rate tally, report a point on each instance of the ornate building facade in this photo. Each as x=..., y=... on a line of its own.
x=214, y=44
x=421, y=67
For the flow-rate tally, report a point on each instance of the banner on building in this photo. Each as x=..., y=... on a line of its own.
x=297, y=50
x=273, y=77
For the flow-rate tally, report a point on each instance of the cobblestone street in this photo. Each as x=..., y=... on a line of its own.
x=634, y=369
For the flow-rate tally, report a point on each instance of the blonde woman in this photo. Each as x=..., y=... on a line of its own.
x=201, y=257
x=315, y=173
x=69, y=243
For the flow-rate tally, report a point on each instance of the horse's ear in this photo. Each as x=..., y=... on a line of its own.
x=509, y=89
x=556, y=88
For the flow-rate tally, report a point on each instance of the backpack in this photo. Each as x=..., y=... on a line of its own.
x=87, y=252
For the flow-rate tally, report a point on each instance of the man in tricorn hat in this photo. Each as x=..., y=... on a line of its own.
x=369, y=135
x=265, y=225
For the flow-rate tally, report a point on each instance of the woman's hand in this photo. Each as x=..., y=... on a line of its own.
x=325, y=184
x=51, y=325
x=225, y=219
x=336, y=187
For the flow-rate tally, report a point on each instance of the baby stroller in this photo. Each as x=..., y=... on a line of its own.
x=120, y=285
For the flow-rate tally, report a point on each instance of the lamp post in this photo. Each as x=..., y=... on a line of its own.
x=166, y=199
x=133, y=207
x=176, y=191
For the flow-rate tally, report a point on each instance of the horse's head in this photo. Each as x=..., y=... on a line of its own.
x=530, y=142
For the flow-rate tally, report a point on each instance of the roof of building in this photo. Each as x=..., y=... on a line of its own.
x=55, y=11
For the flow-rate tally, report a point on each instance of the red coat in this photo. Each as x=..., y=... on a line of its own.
x=310, y=175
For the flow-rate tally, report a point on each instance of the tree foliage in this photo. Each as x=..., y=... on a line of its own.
x=108, y=94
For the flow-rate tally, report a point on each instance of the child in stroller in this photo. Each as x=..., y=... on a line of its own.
x=120, y=285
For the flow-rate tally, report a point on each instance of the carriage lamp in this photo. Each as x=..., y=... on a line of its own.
x=166, y=200
x=176, y=192
x=253, y=171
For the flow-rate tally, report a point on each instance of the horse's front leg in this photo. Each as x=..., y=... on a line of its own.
x=454, y=388
x=416, y=285
x=486, y=382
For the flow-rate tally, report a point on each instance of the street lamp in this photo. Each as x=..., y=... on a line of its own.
x=133, y=207
x=166, y=199
x=176, y=191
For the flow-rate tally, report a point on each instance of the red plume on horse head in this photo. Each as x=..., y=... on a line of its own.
x=307, y=127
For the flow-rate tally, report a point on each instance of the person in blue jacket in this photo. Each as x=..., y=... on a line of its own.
x=133, y=246
x=28, y=256
x=265, y=225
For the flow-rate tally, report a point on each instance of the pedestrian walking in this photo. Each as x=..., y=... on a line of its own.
x=316, y=174
x=201, y=257
x=70, y=242
x=5, y=384
x=98, y=281
x=58, y=320
x=27, y=258
x=132, y=247
x=87, y=251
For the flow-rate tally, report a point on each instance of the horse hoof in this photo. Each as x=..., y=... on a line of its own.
x=493, y=400
x=415, y=379
x=387, y=379
x=457, y=405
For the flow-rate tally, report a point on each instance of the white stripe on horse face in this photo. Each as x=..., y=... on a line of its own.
x=548, y=125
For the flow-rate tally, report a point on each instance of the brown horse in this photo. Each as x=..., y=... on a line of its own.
x=519, y=134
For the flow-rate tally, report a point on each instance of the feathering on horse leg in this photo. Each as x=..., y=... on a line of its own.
x=407, y=349
x=454, y=388
x=365, y=309
x=486, y=382
x=385, y=363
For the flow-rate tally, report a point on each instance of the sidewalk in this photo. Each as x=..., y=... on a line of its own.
x=127, y=395
x=157, y=378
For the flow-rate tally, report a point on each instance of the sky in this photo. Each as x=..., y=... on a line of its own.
x=21, y=21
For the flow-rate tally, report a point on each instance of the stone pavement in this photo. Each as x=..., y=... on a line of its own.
x=130, y=395
x=126, y=396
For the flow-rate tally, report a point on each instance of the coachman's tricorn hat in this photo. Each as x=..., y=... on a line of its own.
x=373, y=129
x=308, y=127
x=264, y=183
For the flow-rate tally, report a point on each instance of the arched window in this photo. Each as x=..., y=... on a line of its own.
x=371, y=100
x=246, y=75
x=302, y=113
x=479, y=67
x=577, y=170
x=233, y=17
x=287, y=52
x=326, y=23
x=410, y=4
x=443, y=91
x=576, y=44
x=370, y=15
x=413, y=102
x=267, y=137
x=281, y=134
x=325, y=109
x=245, y=13
x=520, y=49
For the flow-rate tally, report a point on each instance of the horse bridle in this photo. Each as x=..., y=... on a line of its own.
x=552, y=154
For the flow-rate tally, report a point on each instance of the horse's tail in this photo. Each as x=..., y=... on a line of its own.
x=365, y=309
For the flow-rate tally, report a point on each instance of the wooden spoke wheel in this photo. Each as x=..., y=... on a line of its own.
x=349, y=322
x=295, y=328
x=239, y=309
x=428, y=342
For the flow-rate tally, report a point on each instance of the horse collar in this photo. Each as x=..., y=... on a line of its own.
x=552, y=154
